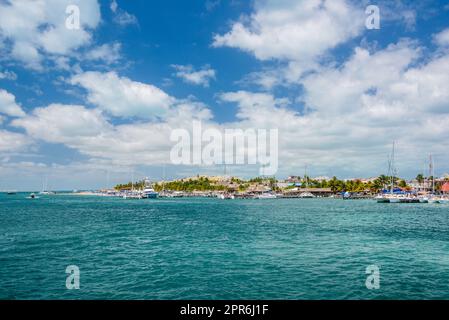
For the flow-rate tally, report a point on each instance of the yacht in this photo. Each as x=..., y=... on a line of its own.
x=307, y=195
x=45, y=188
x=267, y=195
x=423, y=199
x=439, y=199
x=148, y=192
x=226, y=196
x=45, y=192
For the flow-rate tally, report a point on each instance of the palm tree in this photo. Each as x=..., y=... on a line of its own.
x=420, y=179
x=383, y=180
x=333, y=184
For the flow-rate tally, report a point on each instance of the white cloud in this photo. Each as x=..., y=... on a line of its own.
x=123, y=97
x=8, y=105
x=63, y=123
x=121, y=16
x=384, y=79
x=114, y=6
x=37, y=29
x=89, y=132
x=197, y=77
x=8, y=75
x=351, y=113
x=300, y=31
x=12, y=142
x=109, y=53
x=442, y=38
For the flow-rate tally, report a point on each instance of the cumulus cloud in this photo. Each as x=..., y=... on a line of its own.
x=35, y=30
x=8, y=75
x=442, y=38
x=300, y=31
x=197, y=77
x=122, y=97
x=63, y=123
x=8, y=105
x=109, y=53
x=90, y=132
x=121, y=16
x=12, y=141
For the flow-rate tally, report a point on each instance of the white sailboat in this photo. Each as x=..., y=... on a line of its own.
x=391, y=197
x=45, y=190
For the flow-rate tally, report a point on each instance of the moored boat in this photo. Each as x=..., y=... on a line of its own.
x=226, y=196
x=148, y=192
x=306, y=195
x=267, y=195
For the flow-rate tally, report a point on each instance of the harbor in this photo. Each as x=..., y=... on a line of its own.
x=230, y=188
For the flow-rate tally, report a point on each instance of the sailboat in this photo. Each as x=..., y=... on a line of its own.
x=432, y=198
x=391, y=197
x=45, y=188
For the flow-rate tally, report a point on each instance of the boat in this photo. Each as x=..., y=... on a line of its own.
x=148, y=192
x=267, y=195
x=32, y=196
x=226, y=196
x=306, y=195
x=393, y=195
x=46, y=193
x=439, y=200
x=10, y=193
x=45, y=188
x=132, y=195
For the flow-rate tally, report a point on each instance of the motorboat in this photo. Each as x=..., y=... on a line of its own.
x=267, y=195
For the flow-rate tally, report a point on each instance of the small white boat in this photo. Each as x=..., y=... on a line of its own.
x=423, y=199
x=267, y=195
x=46, y=193
x=439, y=200
x=226, y=196
x=307, y=195
x=391, y=198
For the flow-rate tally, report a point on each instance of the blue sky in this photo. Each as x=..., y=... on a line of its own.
x=86, y=108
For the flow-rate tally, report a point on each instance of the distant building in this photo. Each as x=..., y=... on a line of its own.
x=293, y=179
x=321, y=179
x=445, y=188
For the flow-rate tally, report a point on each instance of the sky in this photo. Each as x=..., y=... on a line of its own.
x=89, y=107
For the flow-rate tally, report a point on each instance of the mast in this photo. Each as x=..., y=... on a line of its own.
x=393, y=170
x=163, y=177
x=432, y=173
x=305, y=176
x=132, y=180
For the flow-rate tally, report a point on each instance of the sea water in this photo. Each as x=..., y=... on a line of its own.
x=221, y=249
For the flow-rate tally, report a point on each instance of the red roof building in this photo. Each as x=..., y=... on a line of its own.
x=445, y=187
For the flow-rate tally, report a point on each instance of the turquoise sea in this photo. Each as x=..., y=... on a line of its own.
x=221, y=249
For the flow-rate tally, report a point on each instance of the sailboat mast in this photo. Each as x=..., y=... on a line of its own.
x=163, y=177
x=432, y=173
x=393, y=171
x=132, y=180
